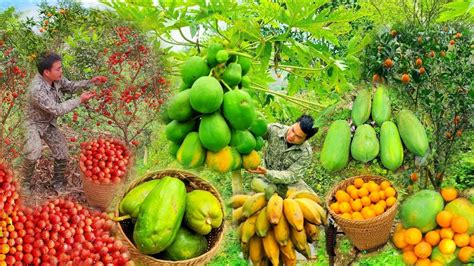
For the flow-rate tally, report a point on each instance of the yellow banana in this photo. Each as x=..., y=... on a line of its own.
x=312, y=231
x=256, y=250
x=237, y=215
x=262, y=225
x=298, y=238
x=275, y=208
x=310, y=213
x=288, y=250
x=282, y=232
x=237, y=201
x=293, y=214
x=245, y=249
x=291, y=191
x=271, y=248
x=322, y=213
x=248, y=228
x=287, y=261
x=304, y=194
x=253, y=204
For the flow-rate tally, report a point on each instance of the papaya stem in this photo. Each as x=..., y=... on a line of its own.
x=120, y=218
x=290, y=99
x=261, y=88
x=225, y=85
x=208, y=220
x=240, y=54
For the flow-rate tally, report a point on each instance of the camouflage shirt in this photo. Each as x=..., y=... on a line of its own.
x=285, y=165
x=44, y=101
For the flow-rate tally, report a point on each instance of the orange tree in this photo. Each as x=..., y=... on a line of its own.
x=431, y=70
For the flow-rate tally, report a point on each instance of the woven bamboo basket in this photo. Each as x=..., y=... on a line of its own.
x=365, y=234
x=192, y=182
x=103, y=195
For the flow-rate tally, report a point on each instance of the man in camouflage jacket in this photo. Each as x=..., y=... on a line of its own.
x=43, y=108
x=288, y=154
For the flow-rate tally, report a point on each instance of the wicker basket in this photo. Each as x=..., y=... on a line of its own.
x=364, y=234
x=214, y=238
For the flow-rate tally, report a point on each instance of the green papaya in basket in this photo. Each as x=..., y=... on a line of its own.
x=130, y=204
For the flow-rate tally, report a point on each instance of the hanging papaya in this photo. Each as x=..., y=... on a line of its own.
x=179, y=107
x=212, y=52
x=238, y=109
x=206, y=95
x=243, y=141
x=221, y=161
x=232, y=74
x=259, y=125
x=194, y=68
x=245, y=63
x=361, y=107
x=214, y=133
x=191, y=153
x=335, y=152
x=177, y=131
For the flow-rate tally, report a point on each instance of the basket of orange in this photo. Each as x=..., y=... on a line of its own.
x=364, y=207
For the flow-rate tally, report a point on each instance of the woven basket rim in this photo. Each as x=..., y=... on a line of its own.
x=383, y=216
x=183, y=173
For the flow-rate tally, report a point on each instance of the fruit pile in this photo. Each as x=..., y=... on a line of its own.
x=57, y=232
x=275, y=228
x=104, y=161
x=433, y=233
x=214, y=120
x=364, y=200
x=365, y=145
x=170, y=223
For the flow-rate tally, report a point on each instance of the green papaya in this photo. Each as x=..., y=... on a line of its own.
x=245, y=63
x=186, y=245
x=191, y=153
x=243, y=141
x=365, y=145
x=183, y=87
x=238, y=109
x=245, y=82
x=222, y=56
x=391, y=149
x=131, y=203
x=259, y=143
x=381, y=107
x=236, y=158
x=203, y=211
x=194, y=68
x=336, y=146
x=221, y=161
x=206, y=95
x=214, y=133
x=179, y=107
x=173, y=149
x=232, y=74
x=160, y=216
x=412, y=132
x=177, y=131
x=259, y=125
x=361, y=107
x=420, y=209
x=212, y=52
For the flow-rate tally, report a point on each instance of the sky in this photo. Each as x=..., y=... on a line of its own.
x=29, y=7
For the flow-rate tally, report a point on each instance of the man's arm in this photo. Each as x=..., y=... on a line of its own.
x=66, y=85
x=294, y=173
x=43, y=101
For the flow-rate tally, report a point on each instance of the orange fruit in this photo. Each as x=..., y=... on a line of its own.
x=358, y=182
x=346, y=215
x=335, y=207
x=471, y=242
x=391, y=201
x=465, y=254
x=461, y=240
x=342, y=196
x=365, y=201
x=385, y=184
x=449, y=193
x=423, y=250
x=405, y=78
x=409, y=248
x=423, y=262
x=390, y=192
x=443, y=218
x=432, y=238
x=422, y=70
x=345, y=207
x=409, y=257
x=375, y=78
x=418, y=62
x=447, y=246
x=446, y=233
x=414, y=176
x=398, y=239
x=383, y=204
x=373, y=187
x=367, y=213
x=413, y=236
x=436, y=263
x=374, y=196
x=452, y=42
x=356, y=205
x=357, y=216
x=382, y=195
x=363, y=192
x=388, y=63
x=350, y=188
x=459, y=224
x=354, y=194
x=458, y=35
x=378, y=209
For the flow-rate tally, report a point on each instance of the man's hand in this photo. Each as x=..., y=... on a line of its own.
x=260, y=170
x=86, y=96
x=99, y=80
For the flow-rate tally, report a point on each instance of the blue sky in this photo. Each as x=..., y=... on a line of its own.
x=29, y=7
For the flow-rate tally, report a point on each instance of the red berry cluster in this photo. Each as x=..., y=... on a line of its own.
x=104, y=161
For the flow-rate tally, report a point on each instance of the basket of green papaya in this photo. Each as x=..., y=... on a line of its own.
x=171, y=217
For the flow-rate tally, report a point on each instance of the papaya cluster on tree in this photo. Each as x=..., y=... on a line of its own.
x=214, y=119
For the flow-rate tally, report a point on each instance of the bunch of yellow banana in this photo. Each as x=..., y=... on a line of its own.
x=273, y=229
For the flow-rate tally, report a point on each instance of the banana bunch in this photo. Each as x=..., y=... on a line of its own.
x=272, y=228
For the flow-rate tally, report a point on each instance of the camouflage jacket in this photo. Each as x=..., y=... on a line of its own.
x=44, y=104
x=285, y=165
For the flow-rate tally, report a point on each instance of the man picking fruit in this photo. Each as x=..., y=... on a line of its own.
x=288, y=154
x=43, y=107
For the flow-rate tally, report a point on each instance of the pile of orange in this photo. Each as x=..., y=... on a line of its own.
x=364, y=200
x=448, y=237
